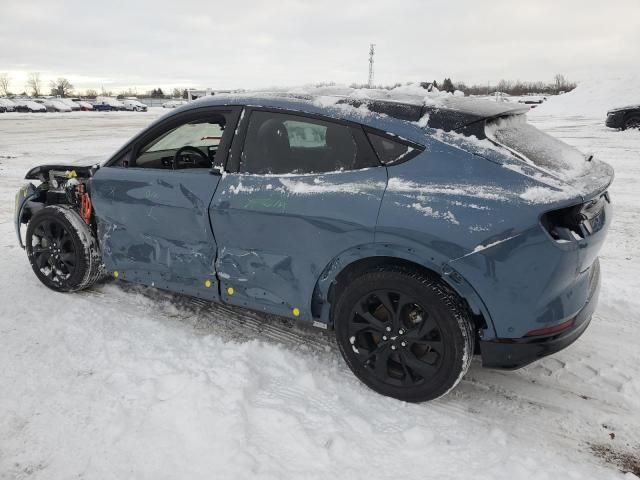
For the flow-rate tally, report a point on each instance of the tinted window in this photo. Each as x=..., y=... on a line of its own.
x=282, y=143
x=202, y=138
x=391, y=151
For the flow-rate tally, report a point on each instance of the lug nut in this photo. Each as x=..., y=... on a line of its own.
x=404, y=344
x=393, y=347
x=384, y=337
x=388, y=329
x=401, y=332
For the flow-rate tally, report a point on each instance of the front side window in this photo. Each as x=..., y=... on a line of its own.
x=279, y=143
x=190, y=145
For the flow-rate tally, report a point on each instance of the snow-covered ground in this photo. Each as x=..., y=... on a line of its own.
x=126, y=382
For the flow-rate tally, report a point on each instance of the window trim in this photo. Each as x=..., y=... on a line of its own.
x=133, y=147
x=237, y=146
x=418, y=148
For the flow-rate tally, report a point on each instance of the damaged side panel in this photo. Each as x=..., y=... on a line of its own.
x=276, y=234
x=154, y=227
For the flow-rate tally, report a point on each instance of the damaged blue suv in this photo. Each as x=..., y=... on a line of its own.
x=422, y=230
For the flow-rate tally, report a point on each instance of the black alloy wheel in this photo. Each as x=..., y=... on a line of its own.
x=62, y=249
x=396, y=338
x=404, y=333
x=632, y=123
x=53, y=251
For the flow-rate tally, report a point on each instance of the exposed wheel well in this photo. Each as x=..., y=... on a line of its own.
x=359, y=267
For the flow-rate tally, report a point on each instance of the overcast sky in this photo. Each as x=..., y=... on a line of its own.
x=247, y=44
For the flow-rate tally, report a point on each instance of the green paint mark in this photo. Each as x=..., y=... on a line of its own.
x=265, y=203
x=150, y=195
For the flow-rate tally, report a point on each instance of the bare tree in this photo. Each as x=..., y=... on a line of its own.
x=61, y=87
x=34, y=84
x=90, y=93
x=4, y=84
x=559, y=82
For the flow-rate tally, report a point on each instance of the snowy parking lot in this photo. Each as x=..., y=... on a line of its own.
x=128, y=382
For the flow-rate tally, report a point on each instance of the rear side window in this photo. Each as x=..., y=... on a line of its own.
x=280, y=143
x=392, y=151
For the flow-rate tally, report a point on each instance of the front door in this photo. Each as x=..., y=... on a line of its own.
x=304, y=190
x=152, y=205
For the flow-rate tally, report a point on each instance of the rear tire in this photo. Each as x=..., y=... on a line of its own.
x=404, y=334
x=632, y=122
x=62, y=249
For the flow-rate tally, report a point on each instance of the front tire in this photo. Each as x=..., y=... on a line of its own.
x=404, y=334
x=62, y=249
x=632, y=123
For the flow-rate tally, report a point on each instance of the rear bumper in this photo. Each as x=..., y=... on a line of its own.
x=513, y=353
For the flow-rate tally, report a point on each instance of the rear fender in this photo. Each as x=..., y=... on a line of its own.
x=424, y=257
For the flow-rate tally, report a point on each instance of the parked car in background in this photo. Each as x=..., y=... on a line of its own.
x=174, y=103
x=53, y=105
x=8, y=105
x=28, y=105
x=108, y=104
x=134, y=105
x=70, y=103
x=624, y=118
x=84, y=105
x=3, y=109
x=418, y=246
x=532, y=100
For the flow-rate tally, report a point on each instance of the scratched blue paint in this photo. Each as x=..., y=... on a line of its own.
x=153, y=226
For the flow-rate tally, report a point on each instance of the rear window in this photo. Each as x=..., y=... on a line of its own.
x=391, y=151
x=537, y=147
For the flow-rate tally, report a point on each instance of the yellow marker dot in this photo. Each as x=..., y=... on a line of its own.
x=72, y=174
x=296, y=312
x=207, y=283
x=116, y=274
x=230, y=290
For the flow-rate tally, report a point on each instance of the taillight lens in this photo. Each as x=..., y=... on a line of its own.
x=576, y=222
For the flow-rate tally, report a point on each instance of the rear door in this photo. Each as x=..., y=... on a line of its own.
x=300, y=190
x=152, y=203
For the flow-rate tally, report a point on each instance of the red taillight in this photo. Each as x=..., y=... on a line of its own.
x=551, y=330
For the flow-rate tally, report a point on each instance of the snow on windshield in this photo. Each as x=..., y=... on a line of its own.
x=537, y=148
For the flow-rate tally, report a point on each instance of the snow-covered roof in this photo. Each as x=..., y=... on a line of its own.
x=409, y=103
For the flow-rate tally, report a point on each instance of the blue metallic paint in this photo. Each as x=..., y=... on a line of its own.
x=454, y=209
x=277, y=233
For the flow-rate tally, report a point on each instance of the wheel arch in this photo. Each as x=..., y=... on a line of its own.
x=354, y=262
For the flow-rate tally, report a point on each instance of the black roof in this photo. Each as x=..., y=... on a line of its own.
x=460, y=114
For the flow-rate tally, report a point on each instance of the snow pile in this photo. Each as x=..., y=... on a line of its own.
x=593, y=98
x=411, y=93
x=423, y=191
x=319, y=185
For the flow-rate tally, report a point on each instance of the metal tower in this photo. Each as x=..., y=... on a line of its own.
x=371, y=53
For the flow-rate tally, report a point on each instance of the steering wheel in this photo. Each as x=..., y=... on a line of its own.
x=189, y=148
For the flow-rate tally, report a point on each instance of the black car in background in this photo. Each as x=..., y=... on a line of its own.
x=623, y=118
